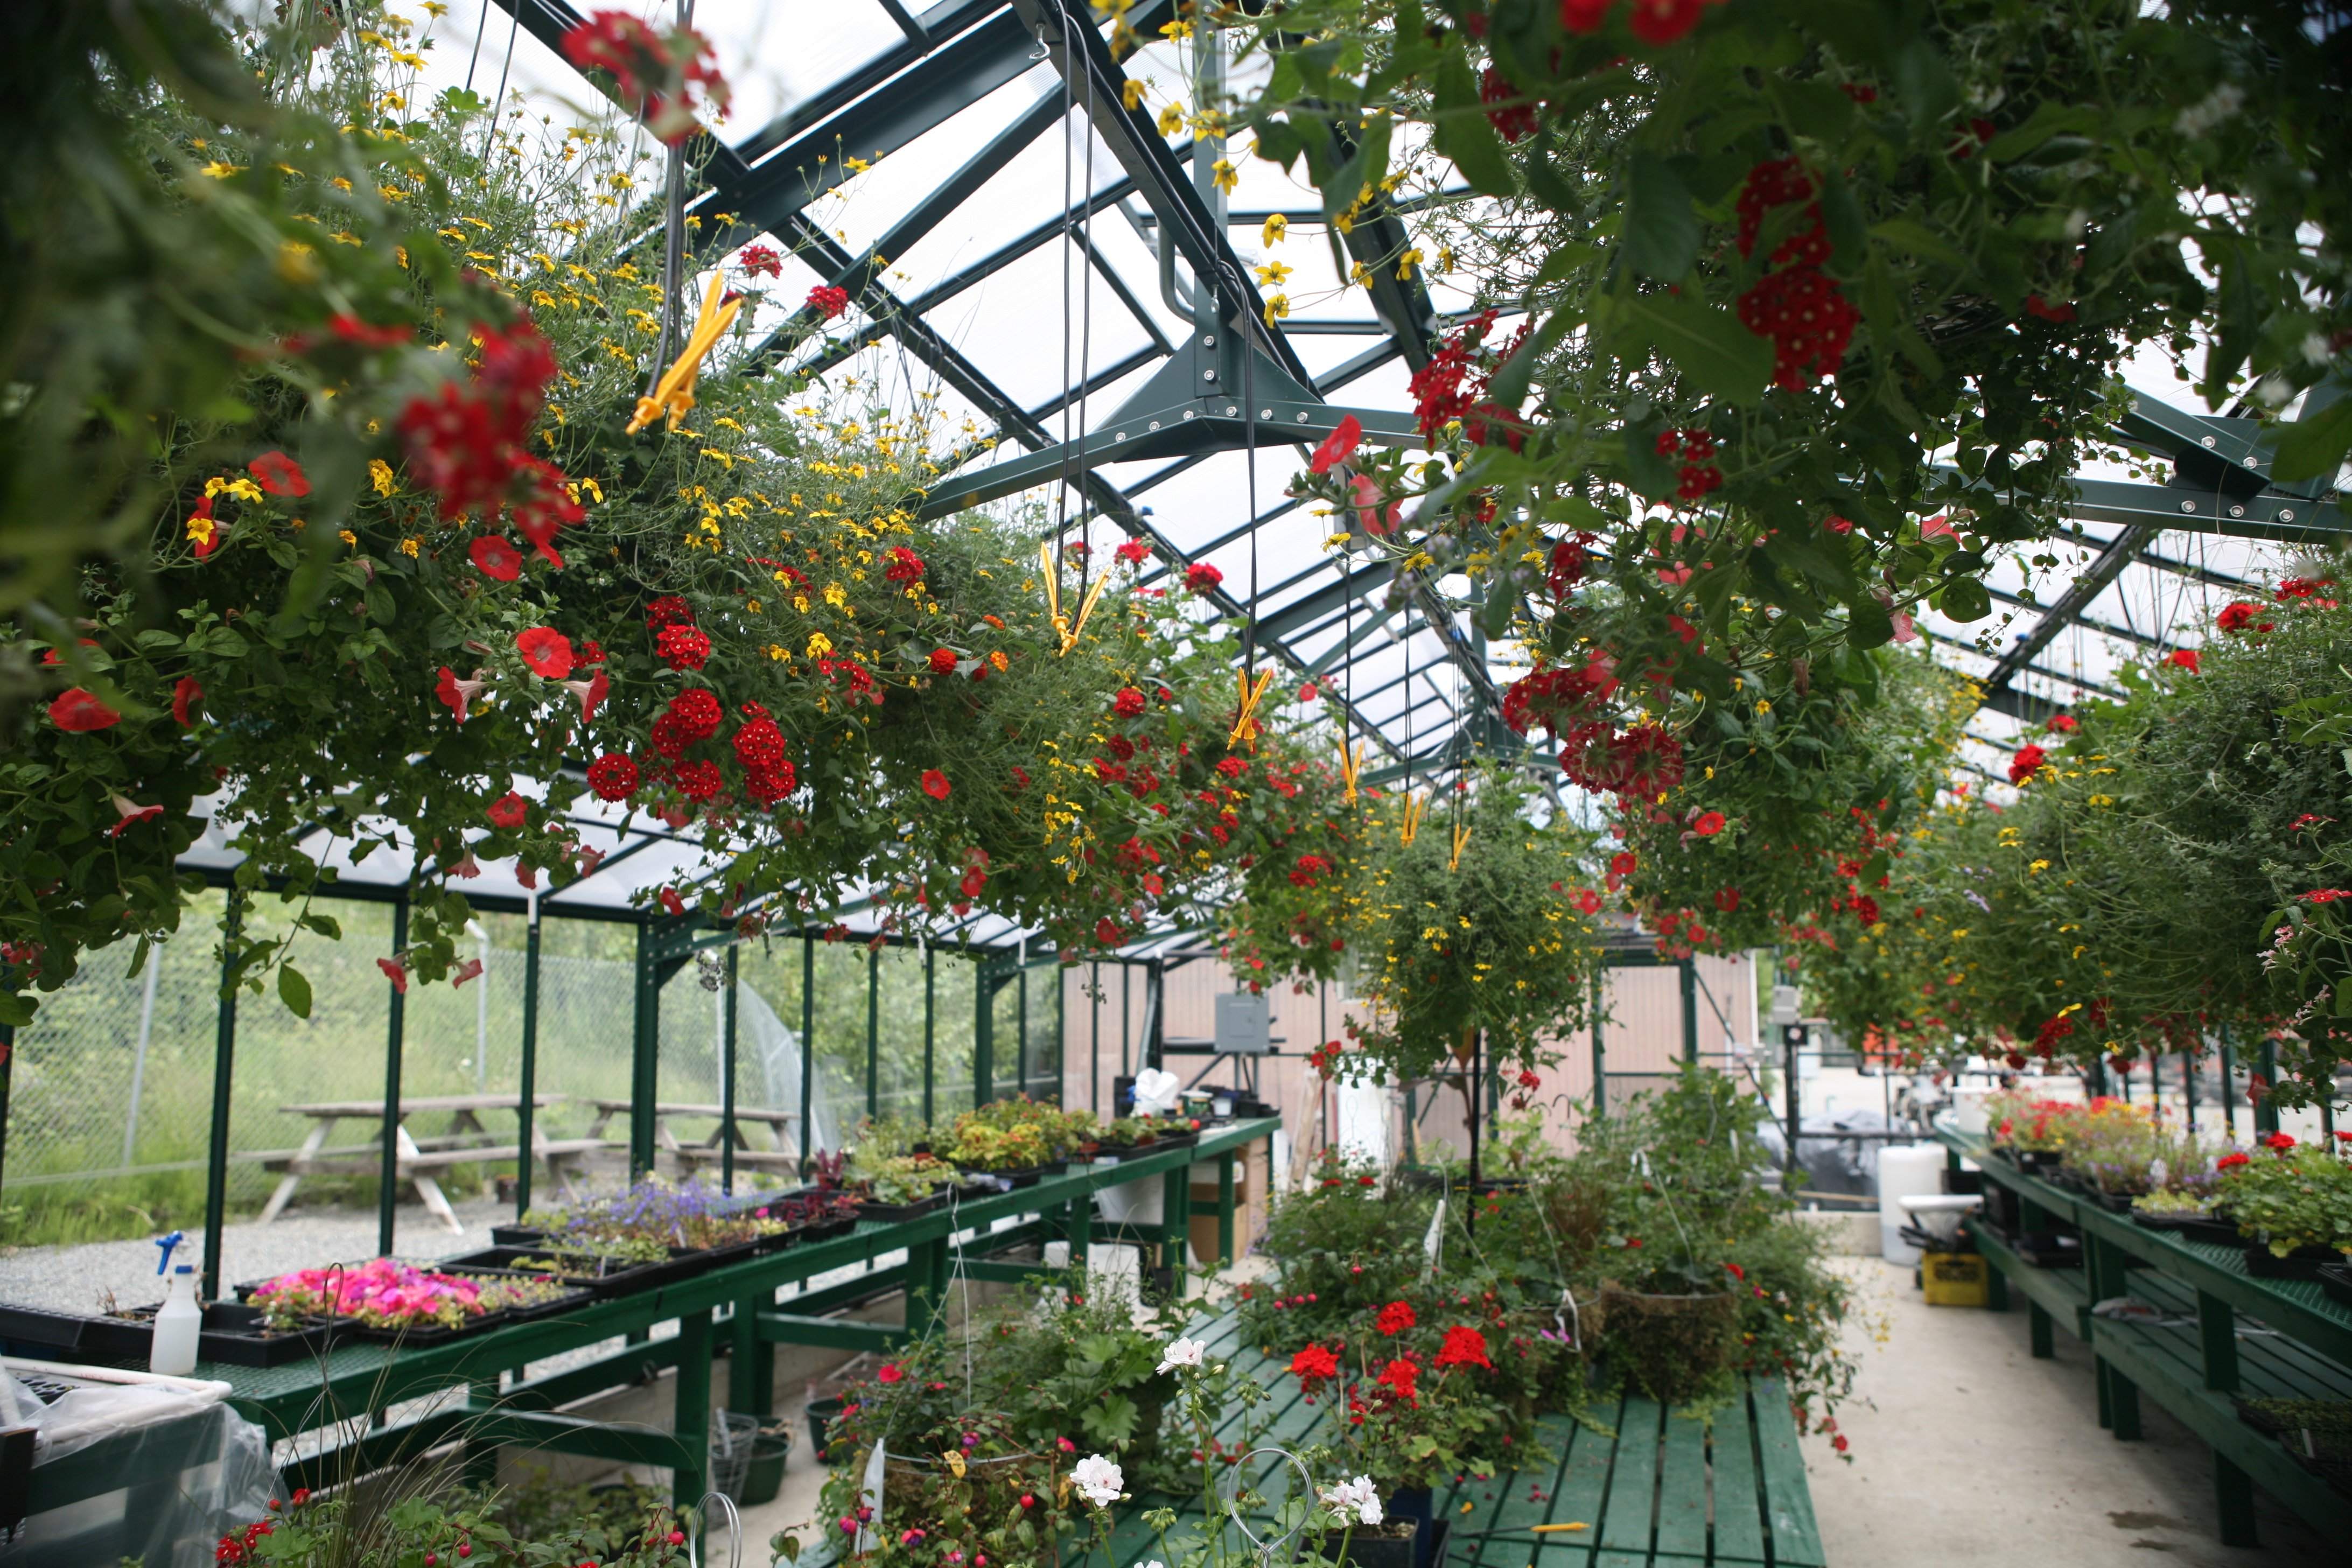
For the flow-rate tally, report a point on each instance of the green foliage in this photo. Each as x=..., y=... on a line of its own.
x=2292, y=1197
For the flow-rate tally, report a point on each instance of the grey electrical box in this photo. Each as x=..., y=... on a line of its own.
x=1245, y=1024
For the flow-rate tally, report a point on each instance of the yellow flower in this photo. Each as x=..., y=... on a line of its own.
x=347, y=536
x=1225, y=174
x=1275, y=227
x=1360, y=274
x=220, y=170
x=1406, y=263
x=2038, y=867
x=1274, y=272
x=819, y=645
x=380, y=473
x=1000, y=661
x=201, y=530
x=1131, y=95
x=408, y=547
x=1277, y=307
x=243, y=490
x=1172, y=119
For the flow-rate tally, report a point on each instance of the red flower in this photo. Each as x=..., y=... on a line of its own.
x=760, y=745
x=828, y=302
x=2235, y=617
x=2063, y=311
x=1658, y=23
x=1728, y=901
x=672, y=902
x=2230, y=1161
x=1395, y=1317
x=545, y=651
x=1587, y=900
x=905, y=566
x=890, y=1372
x=1107, y=931
x=692, y=715
x=590, y=693
x=667, y=609
x=935, y=784
x=682, y=647
x=455, y=695
x=656, y=75
x=1128, y=703
x=1401, y=1375
x=1314, y=1366
x=1736, y=1271
x=1583, y=17
x=2279, y=1142
x=128, y=812
x=1135, y=552
x=1200, y=577
x=1516, y=123
x=1463, y=1347
x=496, y=557
x=2183, y=659
x=698, y=781
x=944, y=661
x=78, y=712
x=2026, y=764
x=1336, y=449
x=974, y=879
x=761, y=258
x=184, y=696
x=1622, y=863
x=396, y=971
x=2062, y=724
x=1709, y=826
x=613, y=776
x=280, y=474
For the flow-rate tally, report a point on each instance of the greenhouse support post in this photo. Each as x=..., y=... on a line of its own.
x=2189, y=1085
x=1599, y=1056
x=1794, y=1092
x=139, y=1056
x=1474, y=1088
x=387, y=1196
x=7, y=1067
x=931, y=1025
x=808, y=1057
x=2229, y=1087
x=1689, y=967
x=873, y=1031
x=2266, y=1108
x=645, y=1045
x=1021, y=1041
x=726, y=1077
x=526, y=1117
x=224, y=1076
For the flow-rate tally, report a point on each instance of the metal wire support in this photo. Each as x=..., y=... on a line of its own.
x=734, y=1531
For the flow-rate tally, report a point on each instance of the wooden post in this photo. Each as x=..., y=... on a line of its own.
x=388, y=1196
x=527, y=1112
x=223, y=1074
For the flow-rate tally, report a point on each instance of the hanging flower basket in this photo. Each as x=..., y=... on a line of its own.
x=1669, y=1346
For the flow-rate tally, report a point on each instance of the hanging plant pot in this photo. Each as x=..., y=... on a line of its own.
x=1671, y=1347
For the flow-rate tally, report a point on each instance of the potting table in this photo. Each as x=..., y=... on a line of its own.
x=483, y=1397
x=2234, y=1335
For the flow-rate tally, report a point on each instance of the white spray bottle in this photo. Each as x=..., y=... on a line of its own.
x=180, y=1320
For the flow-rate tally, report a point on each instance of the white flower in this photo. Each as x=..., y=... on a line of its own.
x=1359, y=1495
x=1182, y=1352
x=1098, y=1479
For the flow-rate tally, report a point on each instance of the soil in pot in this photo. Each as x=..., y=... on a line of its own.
x=1670, y=1347
x=821, y=1413
x=1392, y=1543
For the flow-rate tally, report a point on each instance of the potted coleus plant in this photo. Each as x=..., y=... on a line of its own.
x=2294, y=1202
x=1016, y=1153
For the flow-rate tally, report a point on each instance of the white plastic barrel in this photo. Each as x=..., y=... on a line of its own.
x=1904, y=1170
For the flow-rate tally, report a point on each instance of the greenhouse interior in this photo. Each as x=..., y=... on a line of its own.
x=771, y=770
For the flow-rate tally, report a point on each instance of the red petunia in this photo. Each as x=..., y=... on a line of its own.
x=890, y=1372
x=508, y=810
x=1583, y=17
x=1395, y=1317
x=396, y=971
x=935, y=784
x=590, y=692
x=546, y=651
x=127, y=812
x=1708, y=825
x=1336, y=449
x=672, y=902
x=494, y=556
x=280, y=474
x=1108, y=931
x=1463, y=1346
x=185, y=695
x=455, y=695
x=78, y=712
x=1658, y=23
x=2062, y=724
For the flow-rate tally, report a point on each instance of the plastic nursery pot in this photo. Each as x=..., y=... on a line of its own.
x=765, y=1477
x=1672, y=1346
x=2302, y=1263
x=1392, y=1544
x=822, y=1413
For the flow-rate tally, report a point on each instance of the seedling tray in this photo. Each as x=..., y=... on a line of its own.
x=601, y=1276
x=232, y=1334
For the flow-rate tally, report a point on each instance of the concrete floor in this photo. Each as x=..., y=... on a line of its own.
x=1968, y=1453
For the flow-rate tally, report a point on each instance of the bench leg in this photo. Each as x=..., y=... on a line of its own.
x=2037, y=1323
x=2122, y=1404
x=691, y=1479
x=1996, y=1289
x=752, y=1360
x=2233, y=1493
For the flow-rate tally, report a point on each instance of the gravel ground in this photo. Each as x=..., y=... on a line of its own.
x=80, y=1279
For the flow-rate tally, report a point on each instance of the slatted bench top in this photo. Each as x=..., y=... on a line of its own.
x=1657, y=1487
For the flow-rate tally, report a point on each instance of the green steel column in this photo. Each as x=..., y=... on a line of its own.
x=873, y=1031
x=689, y=1480
x=644, y=1048
x=1225, y=1209
x=1599, y=1057
x=808, y=1048
x=1021, y=1049
x=388, y=1196
x=983, y=1034
x=224, y=1075
x=526, y=1112
x=2266, y=1108
x=2229, y=1087
x=727, y=1076
x=1176, y=1223
x=1689, y=966
x=2189, y=1085
x=931, y=1025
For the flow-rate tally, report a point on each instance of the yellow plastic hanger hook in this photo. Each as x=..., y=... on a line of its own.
x=1352, y=763
x=674, y=394
x=1245, y=728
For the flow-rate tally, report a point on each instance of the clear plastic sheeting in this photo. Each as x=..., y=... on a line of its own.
x=155, y=1470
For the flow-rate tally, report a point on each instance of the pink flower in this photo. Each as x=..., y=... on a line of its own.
x=131, y=813
x=396, y=971
x=590, y=693
x=464, y=972
x=456, y=695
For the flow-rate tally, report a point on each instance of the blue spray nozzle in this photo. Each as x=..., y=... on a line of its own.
x=164, y=1264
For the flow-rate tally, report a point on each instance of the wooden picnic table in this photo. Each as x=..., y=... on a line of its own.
x=711, y=1150
x=415, y=1159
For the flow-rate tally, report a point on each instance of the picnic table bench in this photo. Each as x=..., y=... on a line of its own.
x=415, y=1159
x=2224, y=1335
x=711, y=1150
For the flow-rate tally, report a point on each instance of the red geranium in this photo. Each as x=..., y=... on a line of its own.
x=1463, y=1347
x=1200, y=577
x=508, y=810
x=2062, y=724
x=2183, y=659
x=1135, y=552
x=78, y=712
x=1395, y=1317
x=1401, y=1375
x=2234, y=617
x=545, y=651
x=496, y=557
x=2026, y=764
x=280, y=474
x=1314, y=1366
